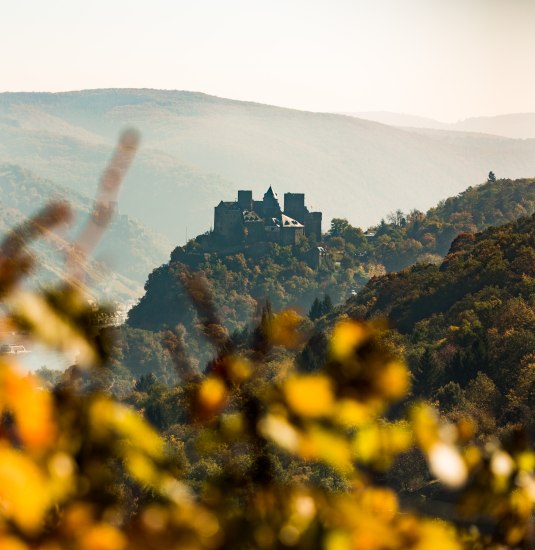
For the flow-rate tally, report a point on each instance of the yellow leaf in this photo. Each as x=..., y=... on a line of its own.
x=24, y=495
x=501, y=464
x=34, y=312
x=111, y=419
x=436, y=535
x=142, y=468
x=32, y=408
x=338, y=540
x=347, y=336
x=11, y=543
x=321, y=444
x=526, y=461
x=425, y=425
x=382, y=503
x=352, y=413
x=285, y=329
x=103, y=537
x=366, y=444
x=309, y=395
x=212, y=393
x=381, y=443
x=521, y=503
x=239, y=368
x=279, y=430
x=61, y=469
x=393, y=380
x=472, y=456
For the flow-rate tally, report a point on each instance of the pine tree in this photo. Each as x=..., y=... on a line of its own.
x=316, y=311
x=326, y=305
x=261, y=334
x=144, y=382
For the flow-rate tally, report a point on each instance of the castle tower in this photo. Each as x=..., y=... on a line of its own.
x=294, y=206
x=228, y=222
x=271, y=207
x=245, y=200
x=313, y=225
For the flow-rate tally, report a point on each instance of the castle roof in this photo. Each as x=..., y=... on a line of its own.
x=286, y=221
x=250, y=216
x=272, y=222
x=270, y=194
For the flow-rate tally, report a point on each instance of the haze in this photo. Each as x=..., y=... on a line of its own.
x=446, y=59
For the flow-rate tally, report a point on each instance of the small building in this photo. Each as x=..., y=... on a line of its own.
x=291, y=230
x=316, y=256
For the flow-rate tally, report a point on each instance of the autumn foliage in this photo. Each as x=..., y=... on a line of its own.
x=80, y=470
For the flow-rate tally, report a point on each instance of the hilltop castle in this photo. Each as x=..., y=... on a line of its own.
x=250, y=221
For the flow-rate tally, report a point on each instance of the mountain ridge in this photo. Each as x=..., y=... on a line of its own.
x=509, y=125
x=198, y=149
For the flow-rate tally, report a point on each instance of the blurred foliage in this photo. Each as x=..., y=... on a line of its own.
x=254, y=452
x=134, y=248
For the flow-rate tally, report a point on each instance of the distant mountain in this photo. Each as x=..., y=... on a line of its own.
x=401, y=120
x=519, y=125
x=199, y=149
x=124, y=258
x=515, y=126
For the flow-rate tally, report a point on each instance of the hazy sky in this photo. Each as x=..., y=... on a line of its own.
x=446, y=59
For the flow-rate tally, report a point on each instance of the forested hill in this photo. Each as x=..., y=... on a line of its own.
x=405, y=239
x=126, y=255
x=240, y=278
x=500, y=257
x=468, y=325
x=240, y=281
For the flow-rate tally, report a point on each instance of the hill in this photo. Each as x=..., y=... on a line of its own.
x=468, y=325
x=514, y=126
x=401, y=119
x=405, y=239
x=125, y=256
x=242, y=278
x=199, y=149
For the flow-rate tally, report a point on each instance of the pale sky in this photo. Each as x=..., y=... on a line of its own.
x=446, y=59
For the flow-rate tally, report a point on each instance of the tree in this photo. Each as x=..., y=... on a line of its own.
x=338, y=226
x=355, y=236
x=397, y=218
x=315, y=310
x=326, y=305
x=145, y=381
x=320, y=308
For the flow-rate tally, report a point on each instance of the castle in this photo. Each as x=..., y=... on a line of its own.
x=249, y=221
